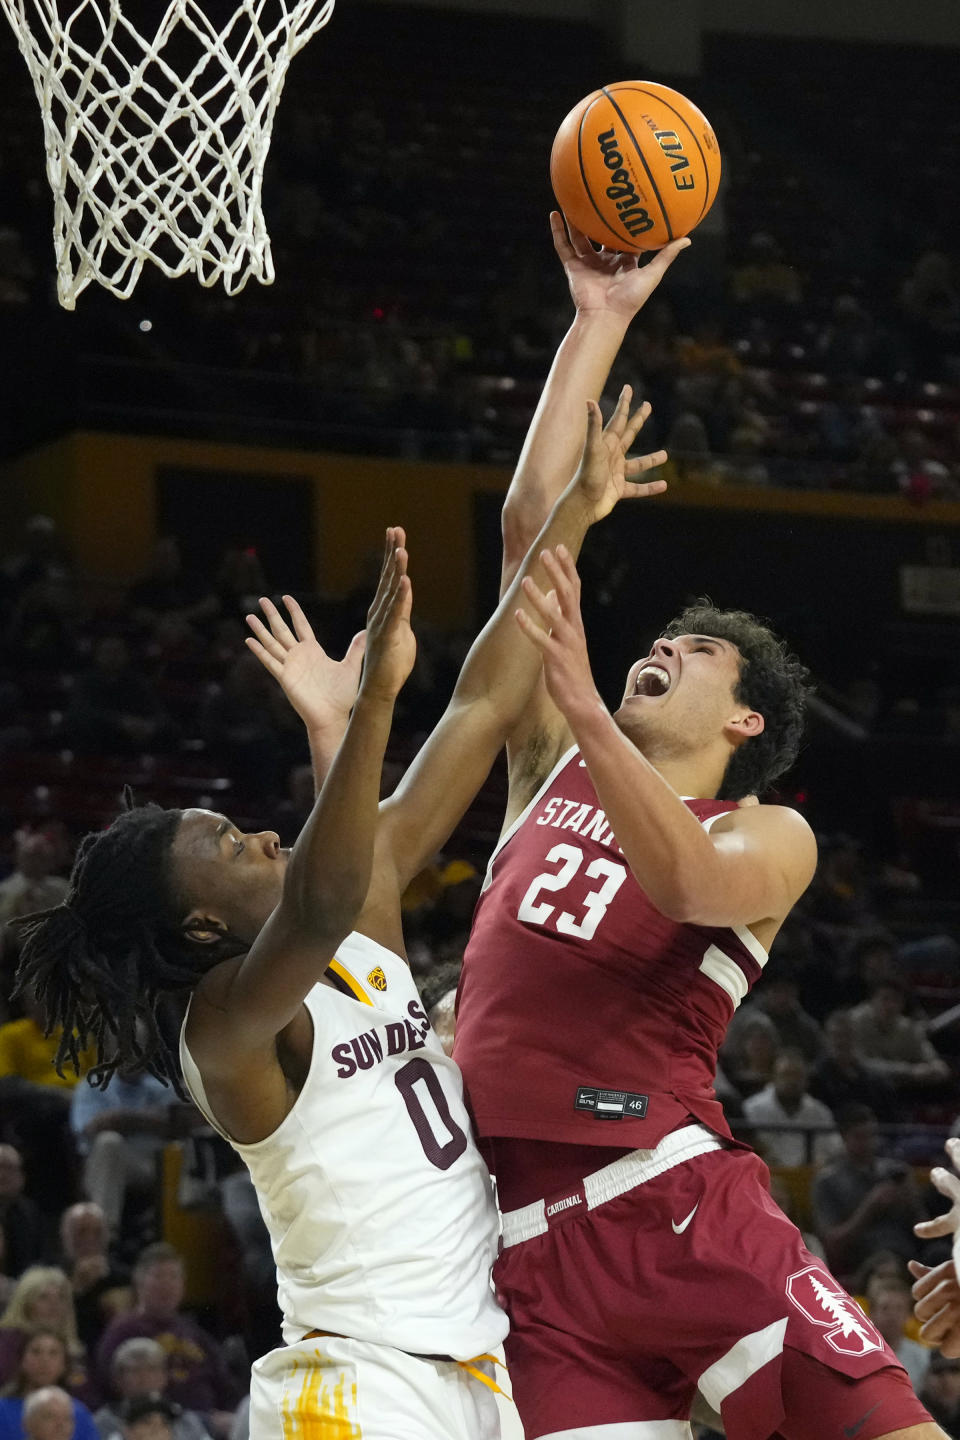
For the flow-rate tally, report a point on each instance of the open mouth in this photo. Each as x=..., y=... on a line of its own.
x=652, y=680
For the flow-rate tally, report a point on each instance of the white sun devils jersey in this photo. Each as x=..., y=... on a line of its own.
x=380, y=1210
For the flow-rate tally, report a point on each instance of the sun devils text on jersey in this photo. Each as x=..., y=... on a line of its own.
x=378, y=1204
x=584, y=1015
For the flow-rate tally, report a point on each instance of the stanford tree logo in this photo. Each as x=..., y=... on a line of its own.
x=818, y=1296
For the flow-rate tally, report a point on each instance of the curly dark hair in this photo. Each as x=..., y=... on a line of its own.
x=101, y=963
x=772, y=681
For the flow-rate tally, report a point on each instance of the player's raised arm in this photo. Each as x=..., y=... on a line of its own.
x=328, y=873
x=753, y=863
x=608, y=289
x=501, y=672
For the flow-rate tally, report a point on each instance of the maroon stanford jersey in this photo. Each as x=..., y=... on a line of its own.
x=584, y=1015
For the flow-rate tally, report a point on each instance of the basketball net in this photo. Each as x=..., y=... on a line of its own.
x=156, y=144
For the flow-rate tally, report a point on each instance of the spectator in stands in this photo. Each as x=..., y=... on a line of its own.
x=19, y=1216
x=150, y=1417
x=863, y=1201
x=784, y=1195
x=258, y=1266
x=42, y=1298
x=239, y=582
x=881, y=1268
x=438, y=991
x=869, y=958
x=805, y=1131
x=941, y=1392
x=113, y=708
x=840, y=898
x=930, y=305
x=45, y=1361
x=688, y=445
x=891, y=1308
x=749, y=1056
x=849, y=344
x=778, y=997
x=101, y=1287
x=42, y=554
x=764, y=284
x=35, y=1106
x=51, y=1414
x=199, y=1378
x=840, y=1078
x=245, y=724
x=120, y=1131
x=31, y=885
x=139, y=1370
x=919, y=473
x=165, y=590
x=894, y=1044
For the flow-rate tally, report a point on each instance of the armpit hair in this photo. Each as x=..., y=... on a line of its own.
x=531, y=765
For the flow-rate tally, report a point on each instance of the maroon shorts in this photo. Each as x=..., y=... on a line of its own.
x=693, y=1278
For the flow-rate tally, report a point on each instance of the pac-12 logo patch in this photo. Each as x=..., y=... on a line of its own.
x=377, y=979
x=818, y=1296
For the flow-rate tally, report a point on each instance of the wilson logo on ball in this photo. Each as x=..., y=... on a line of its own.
x=621, y=189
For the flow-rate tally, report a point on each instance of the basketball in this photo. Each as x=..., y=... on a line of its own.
x=635, y=165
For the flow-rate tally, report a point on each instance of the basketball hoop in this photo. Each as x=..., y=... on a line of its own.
x=156, y=144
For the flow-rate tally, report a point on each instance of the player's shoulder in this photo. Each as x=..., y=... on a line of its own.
x=779, y=832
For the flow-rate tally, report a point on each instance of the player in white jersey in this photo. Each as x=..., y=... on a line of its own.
x=384, y=1242
x=321, y=1071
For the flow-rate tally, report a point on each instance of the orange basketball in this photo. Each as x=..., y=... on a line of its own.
x=635, y=165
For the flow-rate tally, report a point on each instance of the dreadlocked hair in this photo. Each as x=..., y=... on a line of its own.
x=772, y=681
x=101, y=962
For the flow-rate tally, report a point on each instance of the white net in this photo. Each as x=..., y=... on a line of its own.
x=156, y=143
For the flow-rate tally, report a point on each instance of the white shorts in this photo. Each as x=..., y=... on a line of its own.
x=370, y=1392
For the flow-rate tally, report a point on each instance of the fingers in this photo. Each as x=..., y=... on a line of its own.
x=665, y=257
x=267, y=642
x=946, y=1183
x=353, y=658
x=635, y=424
x=618, y=423
x=560, y=602
x=931, y=1229
x=392, y=577
x=279, y=627
x=532, y=630
x=637, y=464
x=580, y=243
x=561, y=241
x=263, y=655
x=301, y=625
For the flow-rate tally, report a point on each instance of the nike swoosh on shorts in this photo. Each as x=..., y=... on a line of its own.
x=679, y=1229
x=852, y=1430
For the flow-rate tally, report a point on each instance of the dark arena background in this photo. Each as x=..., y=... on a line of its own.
x=166, y=459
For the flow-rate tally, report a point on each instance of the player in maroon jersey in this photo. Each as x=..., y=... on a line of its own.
x=621, y=923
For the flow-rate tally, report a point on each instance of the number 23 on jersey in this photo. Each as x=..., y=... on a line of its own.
x=592, y=906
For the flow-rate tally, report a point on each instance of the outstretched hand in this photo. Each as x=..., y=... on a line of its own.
x=391, y=644
x=605, y=475
x=608, y=280
x=320, y=689
x=936, y=1291
x=560, y=636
